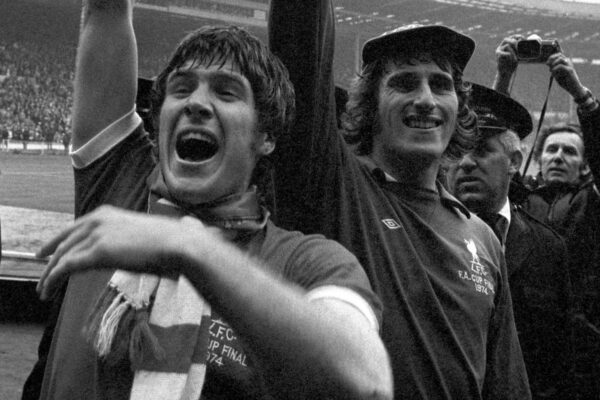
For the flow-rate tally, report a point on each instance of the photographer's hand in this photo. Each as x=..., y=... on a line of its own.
x=507, y=62
x=562, y=69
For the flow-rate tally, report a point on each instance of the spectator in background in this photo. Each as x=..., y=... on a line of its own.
x=5, y=136
x=25, y=136
x=48, y=136
x=535, y=255
x=35, y=92
x=300, y=317
x=448, y=321
x=567, y=199
x=66, y=140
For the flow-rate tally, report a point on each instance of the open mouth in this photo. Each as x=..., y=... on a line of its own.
x=196, y=146
x=420, y=122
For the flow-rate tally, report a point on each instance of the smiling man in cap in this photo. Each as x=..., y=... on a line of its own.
x=448, y=322
x=535, y=255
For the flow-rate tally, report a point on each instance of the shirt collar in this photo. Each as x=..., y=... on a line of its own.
x=446, y=198
x=449, y=200
x=505, y=210
x=388, y=177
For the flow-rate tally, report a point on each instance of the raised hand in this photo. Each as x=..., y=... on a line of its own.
x=562, y=69
x=506, y=63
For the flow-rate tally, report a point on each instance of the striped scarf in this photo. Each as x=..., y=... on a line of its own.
x=161, y=323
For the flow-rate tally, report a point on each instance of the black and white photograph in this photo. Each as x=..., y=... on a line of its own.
x=299, y=199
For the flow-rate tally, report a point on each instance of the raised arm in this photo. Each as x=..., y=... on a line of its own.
x=301, y=34
x=106, y=68
x=562, y=69
x=506, y=62
x=311, y=161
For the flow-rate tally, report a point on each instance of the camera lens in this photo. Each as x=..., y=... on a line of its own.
x=528, y=49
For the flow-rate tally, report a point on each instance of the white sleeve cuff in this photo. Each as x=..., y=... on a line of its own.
x=348, y=296
x=108, y=138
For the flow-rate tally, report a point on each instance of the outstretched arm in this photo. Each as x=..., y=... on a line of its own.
x=323, y=347
x=106, y=68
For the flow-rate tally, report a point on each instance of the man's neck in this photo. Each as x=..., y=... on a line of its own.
x=412, y=174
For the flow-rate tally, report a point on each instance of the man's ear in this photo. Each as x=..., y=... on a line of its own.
x=584, y=169
x=267, y=144
x=516, y=159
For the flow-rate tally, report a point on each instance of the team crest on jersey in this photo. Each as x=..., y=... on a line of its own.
x=477, y=272
x=391, y=223
x=476, y=265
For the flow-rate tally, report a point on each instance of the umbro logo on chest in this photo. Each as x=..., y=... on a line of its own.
x=391, y=223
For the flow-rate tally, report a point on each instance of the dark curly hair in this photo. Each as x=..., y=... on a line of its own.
x=269, y=79
x=361, y=118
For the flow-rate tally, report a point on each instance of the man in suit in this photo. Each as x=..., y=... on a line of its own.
x=535, y=255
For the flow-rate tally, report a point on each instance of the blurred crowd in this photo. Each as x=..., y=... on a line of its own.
x=247, y=12
x=35, y=91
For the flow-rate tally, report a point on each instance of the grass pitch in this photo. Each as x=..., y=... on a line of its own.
x=36, y=199
x=41, y=182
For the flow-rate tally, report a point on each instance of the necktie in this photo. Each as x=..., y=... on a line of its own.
x=501, y=229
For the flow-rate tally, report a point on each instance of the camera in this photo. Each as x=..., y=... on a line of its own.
x=536, y=50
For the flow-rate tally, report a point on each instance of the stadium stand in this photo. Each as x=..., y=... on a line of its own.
x=35, y=78
x=38, y=45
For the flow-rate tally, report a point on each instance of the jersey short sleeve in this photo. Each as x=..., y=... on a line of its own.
x=322, y=267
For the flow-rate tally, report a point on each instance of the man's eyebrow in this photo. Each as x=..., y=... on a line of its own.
x=179, y=74
x=442, y=75
x=400, y=75
x=228, y=76
x=218, y=74
x=401, y=72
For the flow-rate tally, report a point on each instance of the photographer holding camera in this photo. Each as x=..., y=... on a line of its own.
x=567, y=198
x=515, y=49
